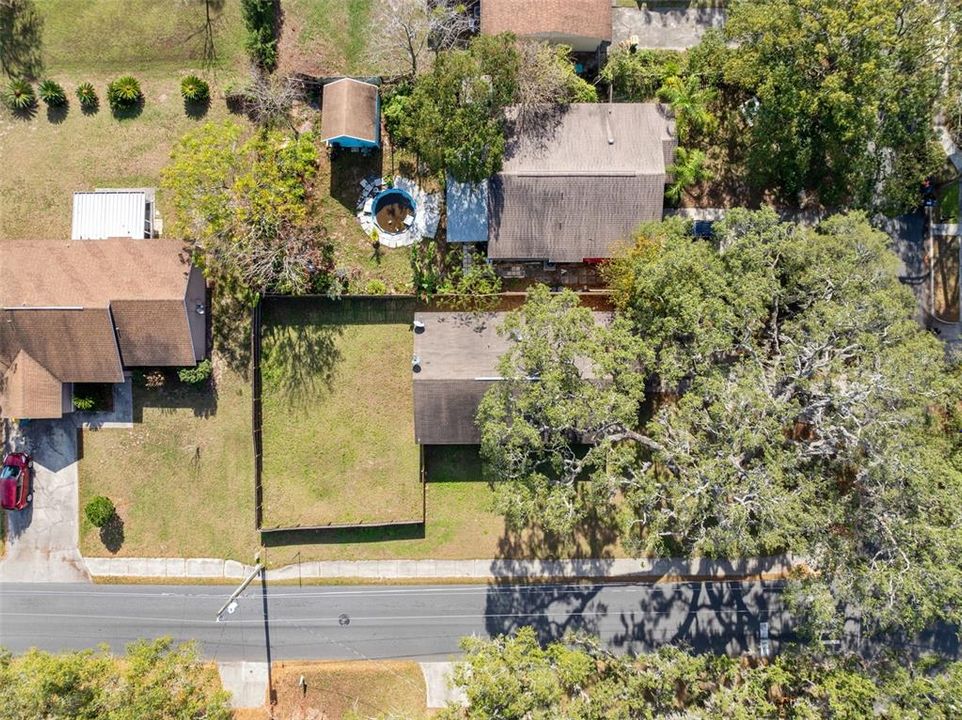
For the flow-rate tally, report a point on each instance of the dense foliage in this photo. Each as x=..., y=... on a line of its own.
x=453, y=116
x=155, y=680
x=846, y=93
x=260, y=17
x=199, y=373
x=793, y=404
x=443, y=275
x=243, y=205
x=99, y=510
x=194, y=89
x=514, y=678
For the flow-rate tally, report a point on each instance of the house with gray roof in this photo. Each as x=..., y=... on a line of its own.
x=572, y=188
x=456, y=358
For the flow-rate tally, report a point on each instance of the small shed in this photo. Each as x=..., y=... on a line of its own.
x=114, y=213
x=467, y=205
x=351, y=114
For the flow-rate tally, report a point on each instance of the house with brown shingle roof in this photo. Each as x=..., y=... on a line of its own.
x=583, y=25
x=85, y=311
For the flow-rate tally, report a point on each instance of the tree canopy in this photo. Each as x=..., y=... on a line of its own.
x=845, y=94
x=243, y=206
x=793, y=405
x=514, y=678
x=155, y=680
x=453, y=116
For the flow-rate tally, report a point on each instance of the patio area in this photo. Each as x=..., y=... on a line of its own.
x=399, y=211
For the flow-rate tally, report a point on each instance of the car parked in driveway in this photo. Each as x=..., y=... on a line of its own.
x=16, y=481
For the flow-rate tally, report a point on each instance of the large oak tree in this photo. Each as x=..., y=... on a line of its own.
x=793, y=405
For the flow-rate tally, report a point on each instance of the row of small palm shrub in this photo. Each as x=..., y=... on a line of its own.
x=123, y=93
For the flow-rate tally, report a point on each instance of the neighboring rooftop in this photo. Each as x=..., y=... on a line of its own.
x=574, y=187
x=583, y=25
x=107, y=213
x=350, y=114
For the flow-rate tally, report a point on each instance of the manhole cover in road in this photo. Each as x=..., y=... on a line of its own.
x=343, y=619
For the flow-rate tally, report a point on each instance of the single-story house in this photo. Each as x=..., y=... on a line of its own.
x=115, y=213
x=351, y=114
x=85, y=311
x=570, y=189
x=455, y=362
x=583, y=25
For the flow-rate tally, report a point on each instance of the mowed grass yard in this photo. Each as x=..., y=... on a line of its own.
x=338, y=415
x=47, y=157
x=181, y=478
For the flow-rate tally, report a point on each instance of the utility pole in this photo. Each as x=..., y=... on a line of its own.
x=231, y=605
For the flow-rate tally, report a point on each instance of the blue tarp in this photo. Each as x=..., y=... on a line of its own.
x=467, y=211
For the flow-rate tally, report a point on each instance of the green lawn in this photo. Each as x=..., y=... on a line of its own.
x=338, y=417
x=46, y=161
x=106, y=36
x=181, y=478
x=326, y=36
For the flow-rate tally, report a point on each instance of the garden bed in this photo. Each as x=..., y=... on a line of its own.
x=337, y=413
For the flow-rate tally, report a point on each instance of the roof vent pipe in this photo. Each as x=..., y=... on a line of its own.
x=611, y=137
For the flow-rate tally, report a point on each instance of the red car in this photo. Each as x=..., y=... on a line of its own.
x=16, y=478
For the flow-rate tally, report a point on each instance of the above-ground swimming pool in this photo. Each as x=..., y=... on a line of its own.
x=391, y=208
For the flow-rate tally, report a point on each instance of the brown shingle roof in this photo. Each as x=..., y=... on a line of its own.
x=544, y=19
x=68, y=301
x=153, y=332
x=349, y=109
x=73, y=345
x=92, y=273
x=29, y=390
x=458, y=354
x=577, y=186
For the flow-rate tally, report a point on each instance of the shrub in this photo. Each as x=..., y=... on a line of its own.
x=99, y=511
x=193, y=89
x=375, y=287
x=18, y=95
x=197, y=374
x=84, y=403
x=87, y=95
x=124, y=93
x=260, y=17
x=52, y=93
x=154, y=379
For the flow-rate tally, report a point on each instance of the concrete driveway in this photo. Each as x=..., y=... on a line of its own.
x=42, y=539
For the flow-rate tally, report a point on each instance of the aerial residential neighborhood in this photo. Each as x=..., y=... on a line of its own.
x=480, y=359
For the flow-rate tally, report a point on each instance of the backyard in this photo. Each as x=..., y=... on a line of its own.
x=52, y=154
x=338, y=415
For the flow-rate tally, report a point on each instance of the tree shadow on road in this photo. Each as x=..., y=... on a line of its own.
x=713, y=616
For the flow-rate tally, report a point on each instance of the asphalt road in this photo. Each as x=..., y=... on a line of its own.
x=416, y=622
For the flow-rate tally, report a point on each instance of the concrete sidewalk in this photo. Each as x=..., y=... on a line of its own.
x=490, y=569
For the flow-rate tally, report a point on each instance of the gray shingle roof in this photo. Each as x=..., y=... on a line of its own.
x=577, y=187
